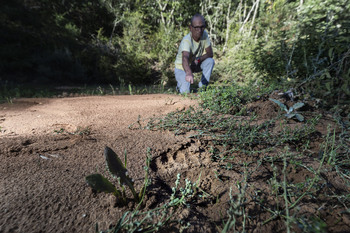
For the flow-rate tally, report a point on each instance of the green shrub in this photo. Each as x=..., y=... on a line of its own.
x=306, y=46
x=230, y=97
x=237, y=63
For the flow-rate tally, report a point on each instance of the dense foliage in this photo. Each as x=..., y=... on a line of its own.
x=303, y=44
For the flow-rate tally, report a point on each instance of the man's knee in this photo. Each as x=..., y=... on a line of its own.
x=208, y=64
x=211, y=61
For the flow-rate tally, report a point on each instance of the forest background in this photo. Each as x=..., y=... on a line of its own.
x=299, y=44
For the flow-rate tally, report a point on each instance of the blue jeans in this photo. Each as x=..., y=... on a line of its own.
x=206, y=67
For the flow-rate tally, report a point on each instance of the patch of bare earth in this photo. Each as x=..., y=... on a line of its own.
x=49, y=146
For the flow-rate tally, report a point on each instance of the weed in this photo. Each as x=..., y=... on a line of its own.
x=155, y=219
x=130, y=90
x=236, y=206
x=121, y=85
x=59, y=131
x=9, y=100
x=290, y=112
x=113, y=90
x=101, y=184
x=81, y=131
x=314, y=224
x=100, y=90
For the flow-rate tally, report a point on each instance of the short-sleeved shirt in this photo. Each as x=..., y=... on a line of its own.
x=196, y=49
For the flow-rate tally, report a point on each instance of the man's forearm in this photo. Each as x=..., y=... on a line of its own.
x=208, y=54
x=205, y=56
x=186, y=65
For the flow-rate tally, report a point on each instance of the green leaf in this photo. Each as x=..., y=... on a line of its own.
x=282, y=106
x=116, y=167
x=101, y=184
x=299, y=117
x=345, y=88
x=141, y=192
x=298, y=105
x=330, y=52
x=327, y=93
x=290, y=115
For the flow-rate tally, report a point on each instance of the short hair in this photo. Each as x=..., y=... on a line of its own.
x=197, y=15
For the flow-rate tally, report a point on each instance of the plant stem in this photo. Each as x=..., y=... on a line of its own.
x=312, y=183
x=285, y=192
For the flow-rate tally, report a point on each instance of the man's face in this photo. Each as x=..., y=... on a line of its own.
x=197, y=28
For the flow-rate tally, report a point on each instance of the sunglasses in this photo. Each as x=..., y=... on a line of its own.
x=199, y=27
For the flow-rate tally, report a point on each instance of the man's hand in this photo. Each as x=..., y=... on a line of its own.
x=197, y=61
x=189, y=78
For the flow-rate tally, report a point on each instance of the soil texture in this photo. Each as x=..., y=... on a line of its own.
x=48, y=146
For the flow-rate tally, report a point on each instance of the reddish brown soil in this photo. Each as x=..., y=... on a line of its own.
x=49, y=146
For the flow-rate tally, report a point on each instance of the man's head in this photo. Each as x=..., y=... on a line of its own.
x=197, y=26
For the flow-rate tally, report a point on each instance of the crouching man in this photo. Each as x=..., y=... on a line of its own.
x=195, y=54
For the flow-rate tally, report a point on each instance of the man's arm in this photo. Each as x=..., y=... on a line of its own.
x=186, y=66
x=208, y=53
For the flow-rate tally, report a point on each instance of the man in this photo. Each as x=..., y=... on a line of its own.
x=195, y=55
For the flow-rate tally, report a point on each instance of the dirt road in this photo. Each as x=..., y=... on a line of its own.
x=48, y=146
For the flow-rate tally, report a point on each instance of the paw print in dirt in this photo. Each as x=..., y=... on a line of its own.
x=183, y=156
